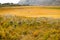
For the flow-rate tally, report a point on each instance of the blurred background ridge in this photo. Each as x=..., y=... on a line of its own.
x=40, y=2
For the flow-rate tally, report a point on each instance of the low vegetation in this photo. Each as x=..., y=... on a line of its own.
x=8, y=5
x=29, y=28
x=11, y=4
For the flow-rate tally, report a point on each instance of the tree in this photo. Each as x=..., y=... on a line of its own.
x=0, y=4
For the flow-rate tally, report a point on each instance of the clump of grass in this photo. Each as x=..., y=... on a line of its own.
x=26, y=28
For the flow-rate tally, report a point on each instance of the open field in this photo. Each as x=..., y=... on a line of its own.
x=32, y=11
x=29, y=28
x=30, y=23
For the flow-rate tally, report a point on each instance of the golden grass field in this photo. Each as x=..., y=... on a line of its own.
x=24, y=26
x=32, y=11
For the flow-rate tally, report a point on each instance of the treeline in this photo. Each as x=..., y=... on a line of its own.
x=10, y=4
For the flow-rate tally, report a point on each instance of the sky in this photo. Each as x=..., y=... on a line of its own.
x=9, y=1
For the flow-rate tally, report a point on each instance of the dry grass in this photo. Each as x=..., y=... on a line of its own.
x=38, y=23
x=32, y=11
x=29, y=28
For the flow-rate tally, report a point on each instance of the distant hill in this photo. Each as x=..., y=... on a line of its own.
x=40, y=2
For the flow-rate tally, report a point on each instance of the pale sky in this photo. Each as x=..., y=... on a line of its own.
x=9, y=1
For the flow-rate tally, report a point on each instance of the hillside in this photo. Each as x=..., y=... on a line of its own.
x=40, y=2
